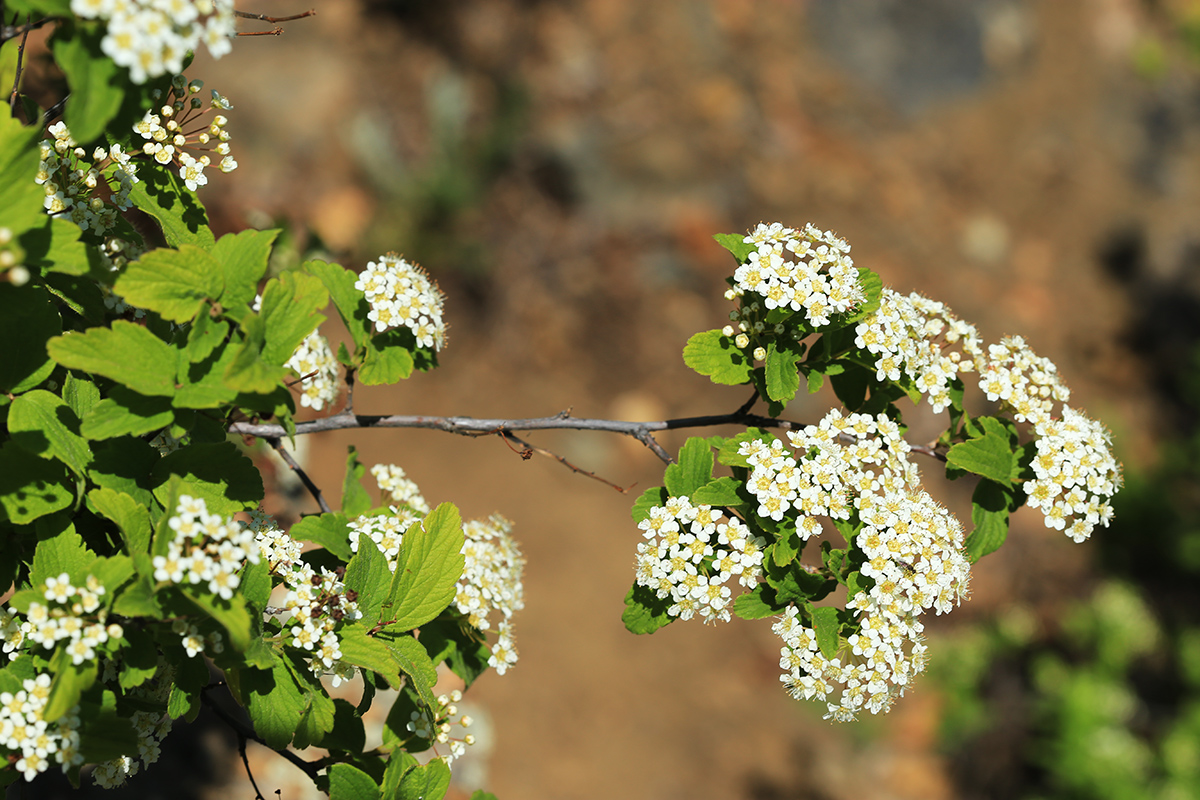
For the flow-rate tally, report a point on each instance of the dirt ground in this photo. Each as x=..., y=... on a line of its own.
x=560, y=169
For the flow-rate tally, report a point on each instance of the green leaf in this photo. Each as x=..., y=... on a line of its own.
x=127, y=353
x=733, y=243
x=728, y=454
x=57, y=248
x=130, y=516
x=693, y=470
x=289, y=310
x=112, y=571
x=162, y=195
x=654, y=496
x=316, y=721
x=106, y=734
x=368, y=574
x=990, y=455
x=173, y=283
x=351, y=783
x=28, y=319
x=20, y=198
x=989, y=520
x=785, y=550
x=351, y=304
x=203, y=384
x=138, y=599
x=218, y=472
x=644, y=611
x=426, y=782
x=401, y=762
x=81, y=395
x=255, y=583
x=243, y=257
x=369, y=652
x=95, y=92
x=414, y=662
x=452, y=639
x=68, y=685
x=126, y=413
x=64, y=552
x=355, y=500
x=388, y=359
x=782, y=374
x=719, y=492
x=331, y=531
x=274, y=701
x=249, y=372
x=124, y=465
x=428, y=567
x=31, y=487
x=851, y=384
x=139, y=658
x=757, y=604
x=872, y=288
x=713, y=354
x=42, y=424
x=231, y=614
x=207, y=333
x=348, y=733
x=827, y=629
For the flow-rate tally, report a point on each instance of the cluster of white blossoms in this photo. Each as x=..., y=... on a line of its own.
x=492, y=582
x=72, y=615
x=809, y=270
x=691, y=552
x=314, y=363
x=922, y=340
x=1076, y=474
x=401, y=294
x=913, y=550
x=402, y=489
x=152, y=37
x=151, y=729
x=33, y=743
x=179, y=127
x=91, y=193
x=385, y=530
x=207, y=550
x=437, y=724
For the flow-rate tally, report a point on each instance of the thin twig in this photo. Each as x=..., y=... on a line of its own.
x=12, y=31
x=310, y=768
x=265, y=18
x=530, y=449
x=272, y=32
x=277, y=444
x=242, y=751
x=12, y=99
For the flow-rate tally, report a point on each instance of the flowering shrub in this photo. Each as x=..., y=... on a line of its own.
x=130, y=527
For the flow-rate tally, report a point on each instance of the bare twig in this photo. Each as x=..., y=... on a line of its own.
x=12, y=99
x=12, y=31
x=265, y=18
x=242, y=751
x=529, y=449
x=310, y=768
x=277, y=444
x=272, y=32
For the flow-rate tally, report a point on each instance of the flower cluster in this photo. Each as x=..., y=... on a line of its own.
x=436, y=725
x=922, y=340
x=179, y=127
x=401, y=294
x=691, y=552
x=912, y=551
x=1076, y=474
x=90, y=193
x=491, y=581
x=73, y=615
x=152, y=37
x=207, y=550
x=314, y=363
x=402, y=489
x=151, y=729
x=809, y=270
x=385, y=530
x=24, y=730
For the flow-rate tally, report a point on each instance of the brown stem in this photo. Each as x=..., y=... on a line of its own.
x=529, y=449
x=277, y=444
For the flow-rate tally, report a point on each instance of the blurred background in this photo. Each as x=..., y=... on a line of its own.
x=560, y=167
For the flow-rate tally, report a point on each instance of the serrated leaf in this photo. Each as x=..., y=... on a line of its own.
x=42, y=424
x=243, y=257
x=289, y=309
x=223, y=476
x=129, y=515
x=28, y=320
x=81, y=395
x=56, y=248
x=426, y=782
x=352, y=306
x=713, y=354
x=719, y=492
x=127, y=353
x=693, y=469
x=782, y=374
x=728, y=454
x=644, y=611
x=63, y=552
x=20, y=197
x=387, y=359
x=989, y=520
x=757, y=604
x=139, y=658
x=126, y=413
x=249, y=372
x=368, y=574
x=414, y=662
x=31, y=487
x=369, y=652
x=732, y=242
x=173, y=283
x=654, y=496
x=460, y=645
x=348, y=733
x=331, y=531
x=231, y=614
x=206, y=334
x=785, y=550
x=162, y=195
x=990, y=455
x=827, y=629
x=872, y=288
x=274, y=701
x=428, y=567
x=347, y=782
x=316, y=721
